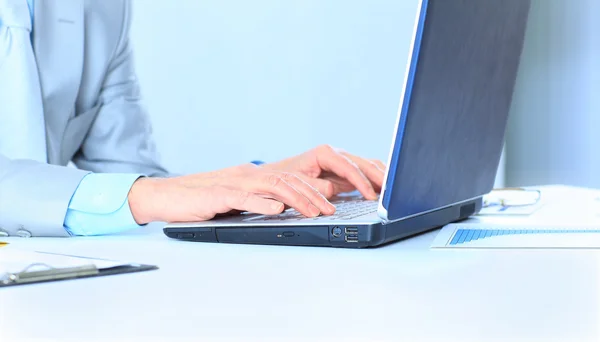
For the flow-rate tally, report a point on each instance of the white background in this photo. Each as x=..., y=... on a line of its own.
x=231, y=81
x=554, y=134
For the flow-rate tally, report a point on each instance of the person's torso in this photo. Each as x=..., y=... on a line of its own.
x=74, y=43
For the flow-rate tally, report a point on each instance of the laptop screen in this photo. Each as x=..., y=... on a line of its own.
x=456, y=102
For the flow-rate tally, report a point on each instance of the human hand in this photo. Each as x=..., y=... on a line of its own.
x=203, y=196
x=333, y=171
x=303, y=182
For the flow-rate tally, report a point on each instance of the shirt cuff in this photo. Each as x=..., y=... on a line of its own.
x=100, y=206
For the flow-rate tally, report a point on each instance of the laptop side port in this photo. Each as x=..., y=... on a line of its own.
x=351, y=230
x=351, y=238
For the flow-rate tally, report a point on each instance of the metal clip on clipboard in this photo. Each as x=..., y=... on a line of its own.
x=40, y=267
x=50, y=273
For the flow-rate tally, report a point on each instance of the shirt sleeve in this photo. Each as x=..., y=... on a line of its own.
x=100, y=206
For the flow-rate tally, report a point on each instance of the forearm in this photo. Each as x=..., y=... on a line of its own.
x=34, y=197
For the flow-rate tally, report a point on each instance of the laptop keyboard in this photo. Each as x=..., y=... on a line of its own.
x=345, y=210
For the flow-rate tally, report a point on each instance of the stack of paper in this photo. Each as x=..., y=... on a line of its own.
x=565, y=218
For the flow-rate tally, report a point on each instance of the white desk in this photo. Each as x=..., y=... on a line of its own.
x=401, y=292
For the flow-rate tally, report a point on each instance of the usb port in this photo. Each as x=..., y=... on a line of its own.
x=351, y=238
x=351, y=230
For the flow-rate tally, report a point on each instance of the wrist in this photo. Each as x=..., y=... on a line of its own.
x=141, y=199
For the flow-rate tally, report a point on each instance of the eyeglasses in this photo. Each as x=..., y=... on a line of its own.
x=511, y=197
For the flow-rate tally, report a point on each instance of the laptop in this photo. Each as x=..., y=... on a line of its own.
x=447, y=142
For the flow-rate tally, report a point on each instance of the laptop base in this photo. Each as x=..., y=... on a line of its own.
x=343, y=235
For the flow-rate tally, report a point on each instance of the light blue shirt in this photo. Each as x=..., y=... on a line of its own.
x=99, y=205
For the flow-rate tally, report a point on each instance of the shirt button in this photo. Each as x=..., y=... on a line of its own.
x=23, y=233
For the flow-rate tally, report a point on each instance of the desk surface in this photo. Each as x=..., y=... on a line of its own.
x=400, y=292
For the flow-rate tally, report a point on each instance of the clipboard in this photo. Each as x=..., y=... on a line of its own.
x=44, y=267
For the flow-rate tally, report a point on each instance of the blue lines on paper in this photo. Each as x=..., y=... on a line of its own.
x=468, y=235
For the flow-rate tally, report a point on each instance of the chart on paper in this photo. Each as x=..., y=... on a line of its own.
x=526, y=236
